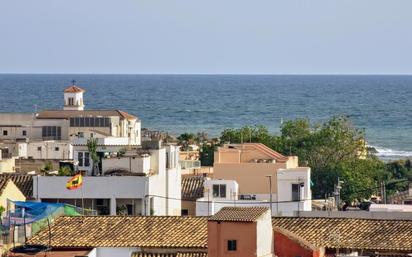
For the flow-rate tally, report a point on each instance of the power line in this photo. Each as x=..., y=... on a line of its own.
x=265, y=202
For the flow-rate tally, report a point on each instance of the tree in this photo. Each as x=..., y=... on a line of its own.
x=186, y=139
x=47, y=167
x=332, y=149
x=207, y=154
x=253, y=134
x=92, y=148
x=65, y=171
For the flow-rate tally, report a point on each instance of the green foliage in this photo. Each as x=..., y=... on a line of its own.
x=65, y=171
x=186, y=139
x=47, y=167
x=253, y=134
x=92, y=148
x=207, y=154
x=333, y=149
x=2, y=209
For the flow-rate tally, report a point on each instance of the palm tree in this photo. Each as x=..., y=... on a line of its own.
x=92, y=147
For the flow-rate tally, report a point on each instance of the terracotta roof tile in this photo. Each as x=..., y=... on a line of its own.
x=126, y=231
x=177, y=254
x=23, y=181
x=242, y=214
x=368, y=234
x=66, y=114
x=74, y=89
x=126, y=115
x=192, y=187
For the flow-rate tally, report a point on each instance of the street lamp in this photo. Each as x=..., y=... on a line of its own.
x=270, y=191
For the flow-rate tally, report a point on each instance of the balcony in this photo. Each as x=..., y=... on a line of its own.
x=103, y=141
x=190, y=164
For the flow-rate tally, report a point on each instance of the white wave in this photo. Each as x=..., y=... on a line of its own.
x=387, y=152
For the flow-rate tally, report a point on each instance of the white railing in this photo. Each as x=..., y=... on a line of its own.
x=189, y=164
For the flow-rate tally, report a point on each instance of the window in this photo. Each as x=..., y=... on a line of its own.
x=296, y=191
x=71, y=101
x=24, y=133
x=185, y=212
x=86, y=159
x=5, y=132
x=219, y=191
x=80, y=158
x=52, y=132
x=231, y=245
x=39, y=148
x=56, y=149
x=89, y=122
x=80, y=134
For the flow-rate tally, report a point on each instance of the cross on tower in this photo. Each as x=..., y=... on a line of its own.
x=74, y=82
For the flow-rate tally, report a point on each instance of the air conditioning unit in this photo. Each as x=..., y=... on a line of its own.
x=247, y=197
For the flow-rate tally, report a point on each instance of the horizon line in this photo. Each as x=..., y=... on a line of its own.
x=217, y=74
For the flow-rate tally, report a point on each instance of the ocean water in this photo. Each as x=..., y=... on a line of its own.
x=209, y=103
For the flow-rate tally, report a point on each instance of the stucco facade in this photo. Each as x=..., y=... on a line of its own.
x=11, y=192
x=255, y=167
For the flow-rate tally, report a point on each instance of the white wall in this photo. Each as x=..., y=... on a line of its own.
x=93, y=187
x=165, y=186
x=115, y=251
x=232, y=189
x=157, y=184
x=264, y=236
x=92, y=253
x=287, y=177
x=174, y=192
x=136, y=164
x=78, y=101
x=56, y=150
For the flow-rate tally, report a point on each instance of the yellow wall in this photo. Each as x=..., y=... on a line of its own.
x=251, y=177
x=7, y=165
x=190, y=206
x=11, y=192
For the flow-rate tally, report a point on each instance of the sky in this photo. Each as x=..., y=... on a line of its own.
x=206, y=37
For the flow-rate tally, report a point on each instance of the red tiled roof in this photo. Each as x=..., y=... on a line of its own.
x=66, y=114
x=348, y=233
x=192, y=187
x=74, y=89
x=125, y=231
x=23, y=181
x=240, y=214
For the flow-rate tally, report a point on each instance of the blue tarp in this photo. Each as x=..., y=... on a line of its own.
x=29, y=212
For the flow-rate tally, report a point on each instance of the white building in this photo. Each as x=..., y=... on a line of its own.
x=141, y=184
x=47, y=134
x=292, y=197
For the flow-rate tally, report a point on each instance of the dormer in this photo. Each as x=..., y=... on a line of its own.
x=73, y=98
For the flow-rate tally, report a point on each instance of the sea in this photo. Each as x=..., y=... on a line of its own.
x=176, y=104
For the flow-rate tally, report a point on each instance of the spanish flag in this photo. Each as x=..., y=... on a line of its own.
x=75, y=182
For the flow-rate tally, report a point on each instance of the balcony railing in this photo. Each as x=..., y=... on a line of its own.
x=190, y=164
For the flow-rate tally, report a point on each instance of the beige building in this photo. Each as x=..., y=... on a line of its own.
x=9, y=191
x=259, y=171
x=7, y=161
x=62, y=134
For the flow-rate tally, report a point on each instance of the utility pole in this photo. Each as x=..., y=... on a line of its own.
x=338, y=187
x=270, y=192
